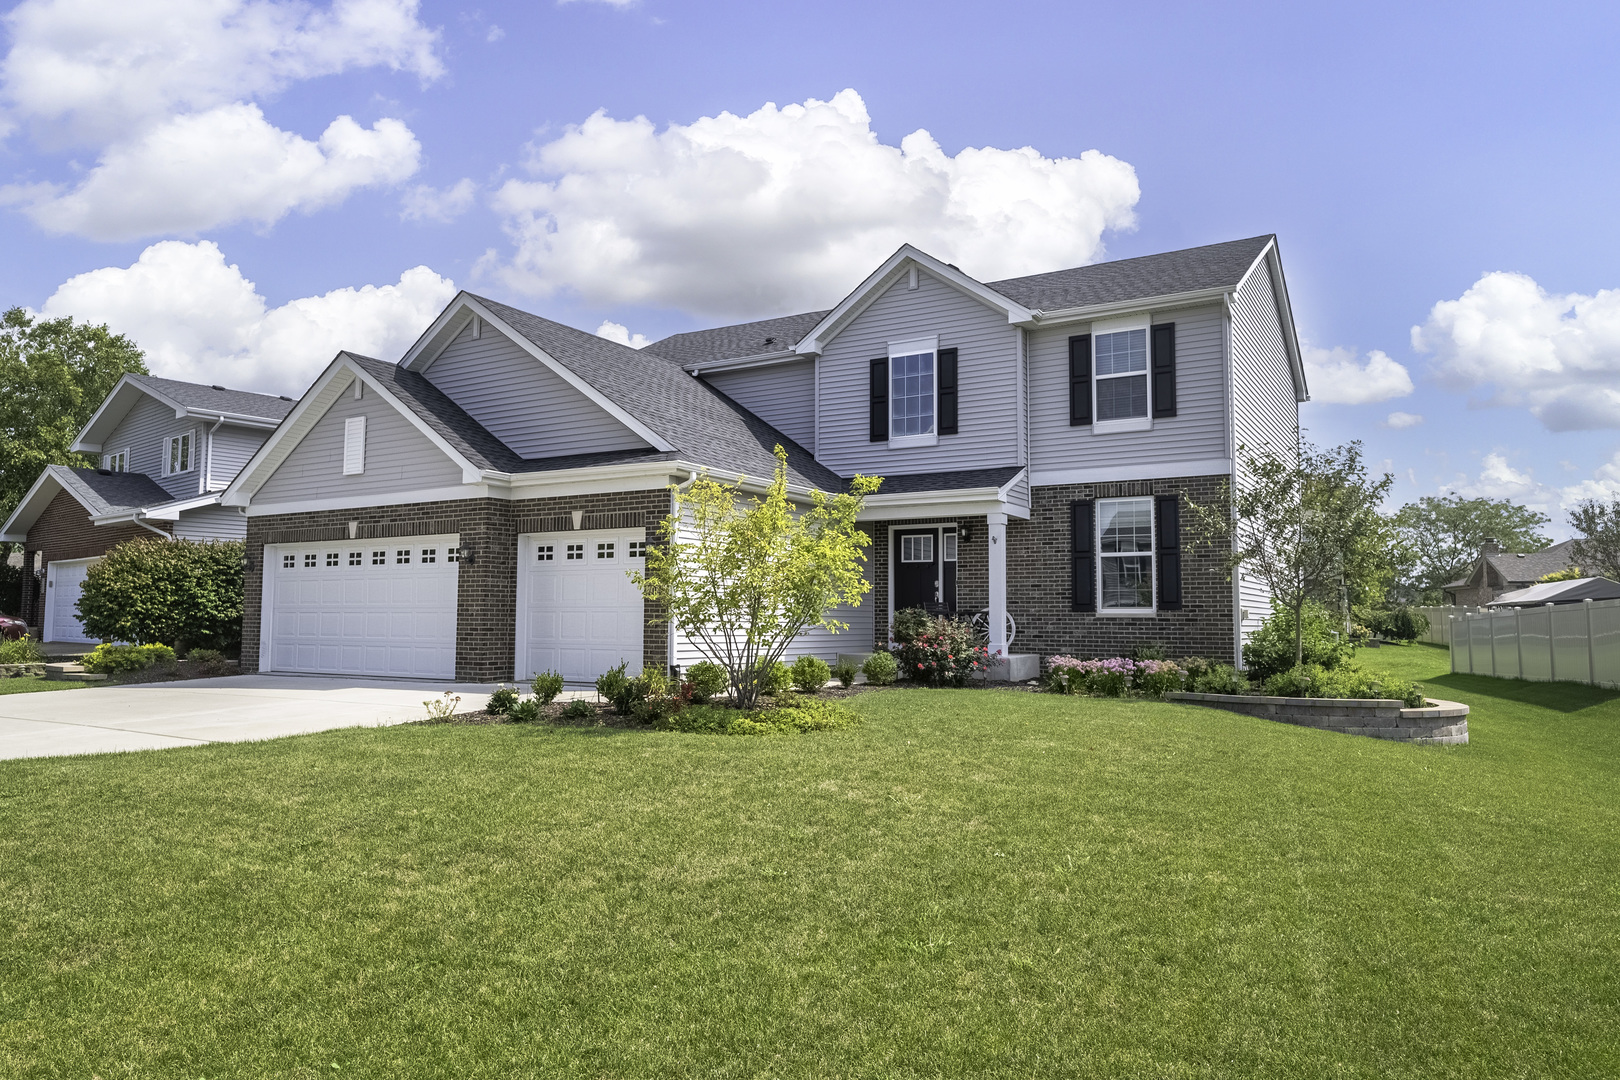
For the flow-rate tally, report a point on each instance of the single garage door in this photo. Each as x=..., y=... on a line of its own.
x=363, y=607
x=578, y=612
x=64, y=582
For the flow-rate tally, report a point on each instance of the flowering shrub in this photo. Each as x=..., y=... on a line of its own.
x=1111, y=677
x=943, y=654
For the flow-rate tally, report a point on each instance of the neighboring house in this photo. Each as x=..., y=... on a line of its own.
x=470, y=511
x=1496, y=572
x=168, y=449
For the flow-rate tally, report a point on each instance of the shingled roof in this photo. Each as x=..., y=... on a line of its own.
x=218, y=398
x=1213, y=266
x=110, y=492
x=1525, y=568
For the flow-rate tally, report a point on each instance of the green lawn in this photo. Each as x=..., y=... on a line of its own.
x=32, y=683
x=974, y=884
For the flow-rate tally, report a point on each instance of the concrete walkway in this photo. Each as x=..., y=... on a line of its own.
x=238, y=708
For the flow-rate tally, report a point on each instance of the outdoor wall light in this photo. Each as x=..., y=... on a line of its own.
x=964, y=533
x=466, y=554
x=247, y=563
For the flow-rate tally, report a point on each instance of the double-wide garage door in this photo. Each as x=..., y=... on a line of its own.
x=364, y=607
x=579, y=613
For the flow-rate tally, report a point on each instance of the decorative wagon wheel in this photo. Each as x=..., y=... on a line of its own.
x=981, y=626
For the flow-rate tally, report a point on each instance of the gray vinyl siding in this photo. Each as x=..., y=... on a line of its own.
x=229, y=449
x=988, y=395
x=1265, y=410
x=1196, y=433
x=144, y=432
x=782, y=395
x=521, y=401
x=212, y=523
x=398, y=458
x=1018, y=494
x=817, y=641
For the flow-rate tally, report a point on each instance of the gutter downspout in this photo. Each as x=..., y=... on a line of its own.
x=140, y=519
x=208, y=462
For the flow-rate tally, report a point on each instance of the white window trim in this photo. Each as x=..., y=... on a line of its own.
x=1134, y=423
x=191, y=453
x=1152, y=552
x=124, y=453
x=913, y=347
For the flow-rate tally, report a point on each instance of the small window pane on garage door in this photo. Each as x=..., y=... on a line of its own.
x=579, y=613
x=363, y=607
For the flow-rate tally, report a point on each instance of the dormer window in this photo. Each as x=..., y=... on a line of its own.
x=178, y=456
x=913, y=392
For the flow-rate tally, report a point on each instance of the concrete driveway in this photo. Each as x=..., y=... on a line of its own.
x=239, y=708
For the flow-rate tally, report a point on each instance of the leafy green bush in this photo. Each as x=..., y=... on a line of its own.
x=810, y=674
x=546, y=686
x=578, y=709
x=805, y=715
x=944, y=653
x=23, y=650
x=909, y=623
x=123, y=659
x=1270, y=649
x=881, y=669
x=612, y=684
x=708, y=679
x=1314, y=681
x=526, y=711
x=778, y=680
x=502, y=700
x=1404, y=623
x=155, y=590
x=1218, y=679
x=205, y=656
x=1151, y=651
x=845, y=671
x=1306, y=680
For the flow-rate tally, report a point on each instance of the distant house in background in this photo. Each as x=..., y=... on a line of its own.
x=1496, y=572
x=1572, y=591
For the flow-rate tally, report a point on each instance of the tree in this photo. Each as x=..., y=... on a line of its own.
x=1443, y=536
x=744, y=577
x=1307, y=524
x=54, y=374
x=179, y=593
x=1597, y=549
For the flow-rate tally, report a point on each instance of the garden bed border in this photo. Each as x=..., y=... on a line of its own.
x=1442, y=723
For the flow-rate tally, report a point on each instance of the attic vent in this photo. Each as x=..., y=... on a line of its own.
x=770, y=341
x=283, y=397
x=216, y=386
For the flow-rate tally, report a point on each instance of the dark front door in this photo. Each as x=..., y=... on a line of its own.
x=916, y=568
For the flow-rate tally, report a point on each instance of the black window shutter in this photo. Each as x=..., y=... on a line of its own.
x=1079, y=380
x=947, y=391
x=1169, y=508
x=878, y=421
x=1082, y=560
x=1164, y=370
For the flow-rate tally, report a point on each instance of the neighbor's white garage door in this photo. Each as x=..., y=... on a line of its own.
x=578, y=612
x=64, y=583
x=363, y=607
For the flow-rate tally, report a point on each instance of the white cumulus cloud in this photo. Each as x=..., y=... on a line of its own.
x=621, y=333
x=166, y=92
x=425, y=203
x=1517, y=344
x=787, y=208
x=1400, y=420
x=1498, y=478
x=199, y=319
x=208, y=169
x=1338, y=377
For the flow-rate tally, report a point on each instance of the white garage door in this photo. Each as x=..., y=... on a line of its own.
x=578, y=612
x=363, y=607
x=64, y=581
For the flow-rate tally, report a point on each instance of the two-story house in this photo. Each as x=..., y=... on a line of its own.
x=470, y=511
x=168, y=449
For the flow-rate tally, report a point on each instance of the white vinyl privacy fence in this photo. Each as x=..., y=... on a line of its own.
x=1440, y=621
x=1562, y=642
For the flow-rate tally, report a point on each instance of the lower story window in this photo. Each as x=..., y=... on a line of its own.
x=1125, y=554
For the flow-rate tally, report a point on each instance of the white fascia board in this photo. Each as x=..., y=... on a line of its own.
x=33, y=504
x=361, y=502
x=967, y=502
x=113, y=408
x=170, y=511
x=1146, y=305
x=320, y=396
x=1285, y=313
x=880, y=279
x=1166, y=470
x=740, y=363
x=434, y=341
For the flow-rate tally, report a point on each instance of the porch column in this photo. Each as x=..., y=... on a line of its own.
x=998, y=583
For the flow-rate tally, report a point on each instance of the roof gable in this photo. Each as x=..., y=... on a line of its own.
x=262, y=411
x=1213, y=266
x=100, y=493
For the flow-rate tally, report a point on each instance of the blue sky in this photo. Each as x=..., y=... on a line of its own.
x=351, y=161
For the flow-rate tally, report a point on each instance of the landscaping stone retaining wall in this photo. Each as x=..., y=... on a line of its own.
x=1378, y=718
x=20, y=671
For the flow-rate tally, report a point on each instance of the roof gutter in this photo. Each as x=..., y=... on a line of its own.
x=741, y=363
x=1088, y=312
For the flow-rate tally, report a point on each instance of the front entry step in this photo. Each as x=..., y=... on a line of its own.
x=70, y=673
x=1017, y=667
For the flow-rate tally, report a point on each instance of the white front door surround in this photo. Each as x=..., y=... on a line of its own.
x=578, y=612
x=361, y=607
x=64, y=582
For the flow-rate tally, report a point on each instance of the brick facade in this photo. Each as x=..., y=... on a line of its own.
x=972, y=568
x=62, y=532
x=486, y=605
x=1038, y=584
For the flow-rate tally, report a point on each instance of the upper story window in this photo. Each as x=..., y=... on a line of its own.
x=1125, y=555
x=1121, y=373
x=117, y=461
x=911, y=411
x=178, y=454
